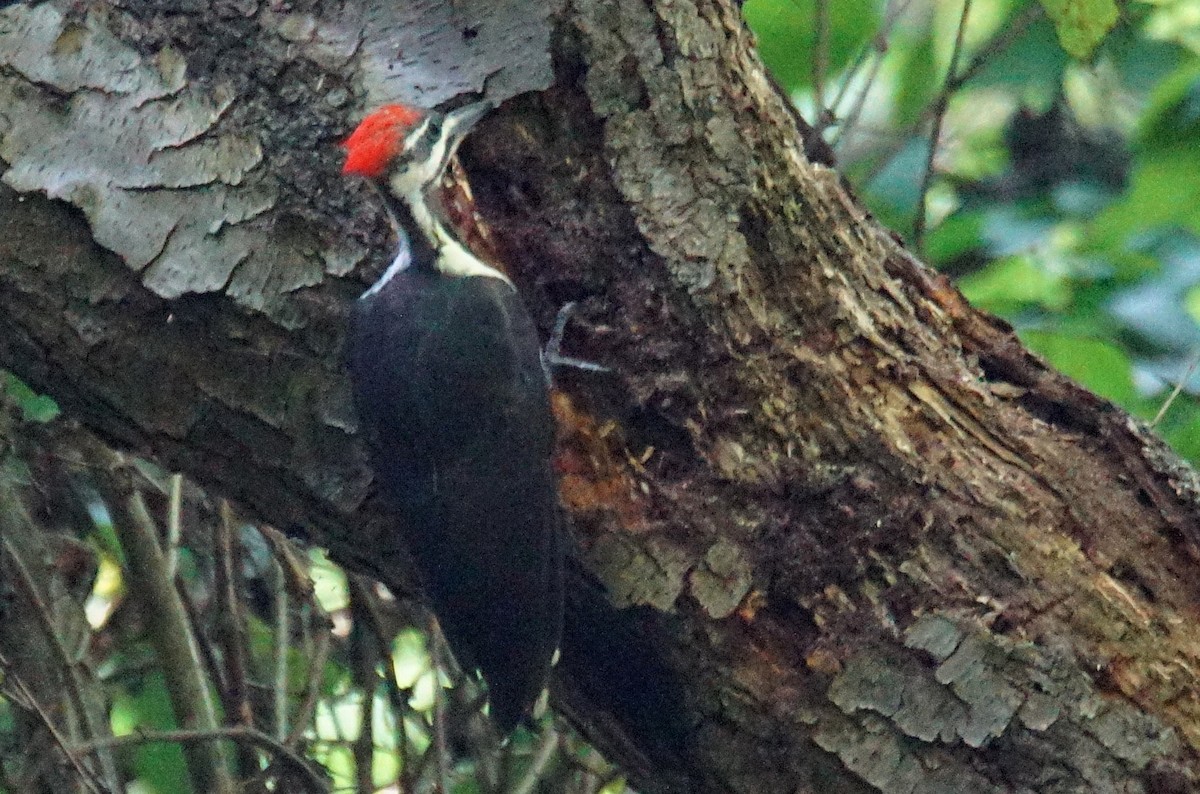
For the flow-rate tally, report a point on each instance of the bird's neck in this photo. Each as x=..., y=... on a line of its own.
x=416, y=229
x=426, y=243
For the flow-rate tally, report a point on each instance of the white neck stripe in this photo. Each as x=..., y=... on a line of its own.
x=453, y=258
x=402, y=261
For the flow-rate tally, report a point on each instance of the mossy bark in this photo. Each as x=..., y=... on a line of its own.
x=862, y=539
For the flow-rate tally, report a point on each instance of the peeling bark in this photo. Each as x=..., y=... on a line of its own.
x=862, y=540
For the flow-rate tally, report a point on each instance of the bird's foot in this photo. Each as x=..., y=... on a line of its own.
x=552, y=354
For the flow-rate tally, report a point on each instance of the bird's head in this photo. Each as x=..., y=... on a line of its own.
x=408, y=148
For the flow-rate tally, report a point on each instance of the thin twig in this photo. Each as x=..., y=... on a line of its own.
x=869, y=48
x=170, y=633
x=237, y=733
x=212, y=667
x=279, y=686
x=363, y=654
x=312, y=695
x=935, y=134
x=174, y=523
x=820, y=61
x=401, y=709
x=860, y=102
x=87, y=776
x=1179, y=387
x=537, y=765
x=74, y=684
x=878, y=46
x=1006, y=36
x=996, y=45
x=231, y=627
x=438, y=747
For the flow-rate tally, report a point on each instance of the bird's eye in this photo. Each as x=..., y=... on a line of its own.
x=435, y=128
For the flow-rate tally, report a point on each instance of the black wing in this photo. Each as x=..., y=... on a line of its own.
x=449, y=385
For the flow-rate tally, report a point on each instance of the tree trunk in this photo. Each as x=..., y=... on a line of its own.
x=860, y=538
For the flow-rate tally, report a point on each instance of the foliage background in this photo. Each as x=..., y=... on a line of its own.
x=1063, y=194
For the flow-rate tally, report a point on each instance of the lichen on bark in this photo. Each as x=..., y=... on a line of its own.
x=878, y=544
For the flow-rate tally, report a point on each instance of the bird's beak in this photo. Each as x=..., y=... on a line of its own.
x=458, y=122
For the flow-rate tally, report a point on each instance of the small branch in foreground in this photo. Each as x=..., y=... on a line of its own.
x=12, y=520
x=541, y=757
x=935, y=134
x=279, y=688
x=170, y=633
x=237, y=733
x=230, y=628
x=316, y=670
x=86, y=776
x=1179, y=387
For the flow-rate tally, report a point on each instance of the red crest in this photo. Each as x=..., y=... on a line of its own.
x=378, y=138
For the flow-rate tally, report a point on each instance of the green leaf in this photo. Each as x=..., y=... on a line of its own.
x=467, y=786
x=1181, y=428
x=329, y=582
x=785, y=35
x=617, y=785
x=410, y=657
x=1099, y=365
x=34, y=407
x=1164, y=191
x=1191, y=303
x=385, y=766
x=147, y=708
x=918, y=83
x=1010, y=284
x=895, y=191
x=1173, y=114
x=1030, y=69
x=1081, y=24
x=955, y=237
x=338, y=761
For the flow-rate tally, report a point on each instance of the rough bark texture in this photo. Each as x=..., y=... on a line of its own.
x=864, y=540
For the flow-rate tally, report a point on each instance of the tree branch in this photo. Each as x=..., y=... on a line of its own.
x=858, y=537
x=171, y=635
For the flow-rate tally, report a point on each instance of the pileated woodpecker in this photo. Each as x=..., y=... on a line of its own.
x=449, y=386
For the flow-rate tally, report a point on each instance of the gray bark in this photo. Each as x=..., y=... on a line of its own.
x=862, y=539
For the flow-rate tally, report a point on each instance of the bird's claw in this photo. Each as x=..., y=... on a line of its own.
x=551, y=355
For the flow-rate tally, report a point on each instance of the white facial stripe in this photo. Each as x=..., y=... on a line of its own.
x=411, y=180
x=419, y=131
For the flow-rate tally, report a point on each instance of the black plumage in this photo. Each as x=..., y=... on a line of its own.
x=449, y=386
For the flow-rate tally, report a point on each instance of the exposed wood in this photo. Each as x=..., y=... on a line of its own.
x=866, y=541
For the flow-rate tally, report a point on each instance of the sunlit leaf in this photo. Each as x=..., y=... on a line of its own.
x=34, y=407
x=338, y=761
x=1100, y=366
x=785, y=35
x=410, y=657
x=1008, y=284
x=617, y=785
x=385, y=766
x=1081, y=24
x=329, y=582
x=146, y=708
